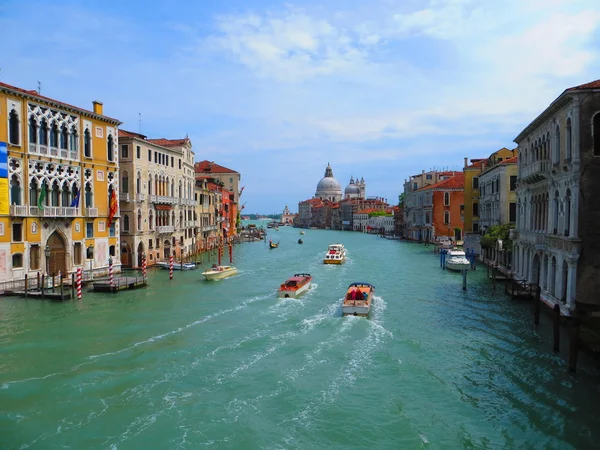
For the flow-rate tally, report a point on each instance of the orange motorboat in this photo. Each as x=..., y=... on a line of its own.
x=295, y=286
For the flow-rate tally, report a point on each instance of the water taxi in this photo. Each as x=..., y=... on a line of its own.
x=456, y=259
x=357, y=301
x=295, y=286
x=219, y=272
x=336, y=254
x=176, y=265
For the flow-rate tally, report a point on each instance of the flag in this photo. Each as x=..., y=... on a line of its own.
x=112, y=208
x=42, y=197
x=75, y=202
x=242, y=190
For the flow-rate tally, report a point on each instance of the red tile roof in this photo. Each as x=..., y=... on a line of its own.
x=456, y=182
x=211, y=167
x=33, y=93
x=511, y=160
x=126, y=134
x=590, y=85
x=169, y=142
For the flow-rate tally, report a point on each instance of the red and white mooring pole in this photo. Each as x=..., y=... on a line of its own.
x=171, y=267
x=111, y=277
x=79, y=281
x=144, y=266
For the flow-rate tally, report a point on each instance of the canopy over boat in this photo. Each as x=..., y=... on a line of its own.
x=361, y=284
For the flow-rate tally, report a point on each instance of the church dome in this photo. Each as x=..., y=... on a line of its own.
x=329, y=188
x=352, y=189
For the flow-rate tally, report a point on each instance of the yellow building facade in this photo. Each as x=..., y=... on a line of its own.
x=471, y=213
x=58, y=173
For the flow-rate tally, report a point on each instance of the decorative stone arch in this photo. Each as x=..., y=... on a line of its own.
x=140, y=253
x=126, y=255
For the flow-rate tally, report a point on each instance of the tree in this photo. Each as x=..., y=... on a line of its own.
x=493, y=234
x=401, y=200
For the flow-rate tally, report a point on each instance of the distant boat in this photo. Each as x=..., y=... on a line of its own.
x=302, y=232
x=176, y=266
x=336, y=254
x=300, y=241
x=273, y=244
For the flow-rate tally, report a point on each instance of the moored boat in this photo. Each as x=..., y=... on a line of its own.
x=336, y=254
x=176, y=265
x=358, y=298
x=295, y=286
x=456, y=259
x=219, y=272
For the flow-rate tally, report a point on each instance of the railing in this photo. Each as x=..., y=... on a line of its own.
x=55, y=152
x=19, y=210
x=163, y=199
x=189, y=224
x=91, y=212
x=209, y=227
x=140, y=197
x=533, y=237
x=165, y=229
x=124, y=196
x=539, y=168
x=54, y=211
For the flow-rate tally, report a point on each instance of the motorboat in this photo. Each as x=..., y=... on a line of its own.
x=302, y=232
x=295, y=286
x=358, y=299
x=273, y=244
x=456, y=259
x=176, y=265
x=336, y=254
x=219, y=272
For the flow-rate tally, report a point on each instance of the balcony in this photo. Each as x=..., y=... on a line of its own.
x=140, y=197
x=54, y=152
x=537, y=238
x=164, y=229
x=209, y=228
x=536, y=171
x=163, y=199
x=91, y=212
x=189, y=224
x=124, y=197
x=54, y=211
x=570, y=245
x=19, y=210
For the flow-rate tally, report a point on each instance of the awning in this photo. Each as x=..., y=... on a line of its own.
x=163, y=207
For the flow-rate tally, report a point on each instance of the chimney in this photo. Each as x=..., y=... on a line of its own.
x=466, y=161
x=97, y=107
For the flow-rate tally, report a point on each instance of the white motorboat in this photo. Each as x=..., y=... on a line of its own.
x=456, y=259
x=219, y=272
x=176, y=265
x=336, y=254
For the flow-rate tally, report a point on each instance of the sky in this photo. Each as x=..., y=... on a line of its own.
x=276, y=90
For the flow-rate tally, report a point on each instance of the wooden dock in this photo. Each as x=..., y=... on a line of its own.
x=48, y=294
x=120, y=283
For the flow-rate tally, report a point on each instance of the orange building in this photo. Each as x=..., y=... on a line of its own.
x=443, y=207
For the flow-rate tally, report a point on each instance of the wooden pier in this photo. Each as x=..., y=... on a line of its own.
x=120, y=283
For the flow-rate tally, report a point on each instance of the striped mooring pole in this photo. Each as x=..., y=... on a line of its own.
x=171, y=267
x=79, y=281
x=144, y=266
x=111, y=277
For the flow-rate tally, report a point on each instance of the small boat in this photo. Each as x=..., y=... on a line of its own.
x=295, y=286
x=302, y=232
x=358, y=299
x=219, y=272
x=176, y=265
x=456, y=259
x=300, y=241
x=336, y=254
x=273, y=244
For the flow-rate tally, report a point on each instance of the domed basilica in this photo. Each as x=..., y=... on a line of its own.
x=329, y=188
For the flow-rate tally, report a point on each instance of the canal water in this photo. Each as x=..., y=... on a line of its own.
x=194, y=364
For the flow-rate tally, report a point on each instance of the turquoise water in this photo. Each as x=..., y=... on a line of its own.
x=195, y=364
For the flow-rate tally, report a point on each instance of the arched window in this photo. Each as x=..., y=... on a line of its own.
x=55, y=194
x=151, y=220
x=54, y=135
x=74, y=143
x=125, y=182
x=596, y=133
x=446, y=199
x=13, y=128
x=126, y=222
x=568, y=213
x=15, y=190
x=138, y=184
x=150, y=185
x=33, y=192
x=87, y=143
x=555, y=215
x=44, y=188
x=556, y=157
x=75, y=193
x=89, y=195
x=446, y=217
x=569, y=138
x=139, y=220
x=32, y=130
x=64, y=137
x=110, y=148
x=66, y=195
x=43, y=133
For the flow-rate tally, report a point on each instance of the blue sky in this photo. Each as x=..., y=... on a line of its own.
x=275, y=90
